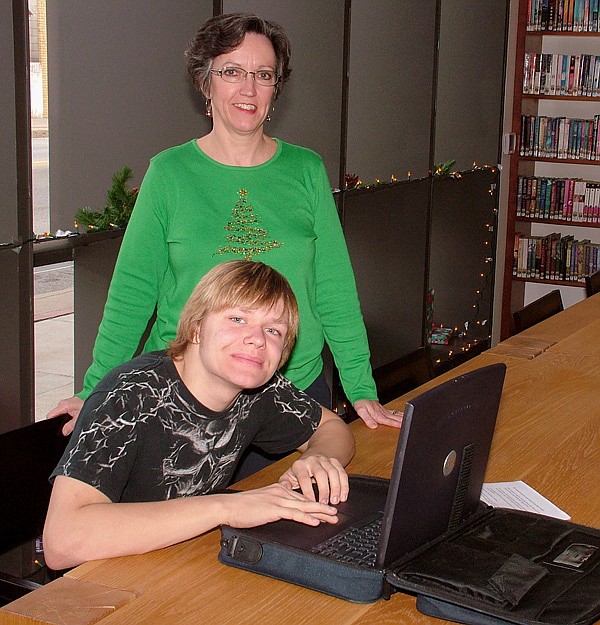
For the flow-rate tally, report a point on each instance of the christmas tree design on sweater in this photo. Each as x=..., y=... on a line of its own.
x=247, y=238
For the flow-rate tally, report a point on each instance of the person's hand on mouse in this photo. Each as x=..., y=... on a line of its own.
x=327, y=474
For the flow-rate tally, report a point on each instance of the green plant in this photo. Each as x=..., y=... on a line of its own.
x=119, y=205
x=443, y=169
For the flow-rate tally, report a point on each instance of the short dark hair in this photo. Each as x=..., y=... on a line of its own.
x=223, y=33
x=232, y=284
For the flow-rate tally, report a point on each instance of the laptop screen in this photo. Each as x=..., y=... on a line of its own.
x=440, y=460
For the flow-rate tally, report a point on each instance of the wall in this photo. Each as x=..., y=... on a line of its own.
x=470, y=86
x=118, y=93
x=384, y=104
x=431, y=234
x=366, y=93
x=310, y=107
x=391, y=88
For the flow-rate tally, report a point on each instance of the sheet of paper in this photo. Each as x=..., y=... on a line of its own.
x=519, y=496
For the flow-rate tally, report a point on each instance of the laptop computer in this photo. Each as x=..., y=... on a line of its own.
x=436, y=481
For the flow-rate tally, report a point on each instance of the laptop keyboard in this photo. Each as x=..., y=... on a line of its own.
x=356, y=545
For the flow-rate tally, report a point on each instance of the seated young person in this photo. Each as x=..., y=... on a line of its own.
x=162, y=432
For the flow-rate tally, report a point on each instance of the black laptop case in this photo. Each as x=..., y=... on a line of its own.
x=499, y=566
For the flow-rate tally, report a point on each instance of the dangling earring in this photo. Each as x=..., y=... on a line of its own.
x=208, y=108
x=268, y=118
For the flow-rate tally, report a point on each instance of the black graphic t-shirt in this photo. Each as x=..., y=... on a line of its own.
x=142, y=436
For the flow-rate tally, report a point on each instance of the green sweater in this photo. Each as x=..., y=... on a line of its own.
x=193, y=213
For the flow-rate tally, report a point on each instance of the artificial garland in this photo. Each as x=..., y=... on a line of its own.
x=119, y=205
x=352, y=181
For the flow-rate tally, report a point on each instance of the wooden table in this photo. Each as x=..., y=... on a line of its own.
x=570, y=320
x=548, y=434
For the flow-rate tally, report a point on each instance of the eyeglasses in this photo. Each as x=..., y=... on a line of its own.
x=262, y=77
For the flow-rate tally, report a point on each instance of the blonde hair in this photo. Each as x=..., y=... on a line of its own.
x=233, y=284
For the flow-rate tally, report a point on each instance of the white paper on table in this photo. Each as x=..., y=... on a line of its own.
x=519, y=496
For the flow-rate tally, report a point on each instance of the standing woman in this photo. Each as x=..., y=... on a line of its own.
x=238, y=193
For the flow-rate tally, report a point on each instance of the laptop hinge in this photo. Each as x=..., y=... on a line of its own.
x=388, y=589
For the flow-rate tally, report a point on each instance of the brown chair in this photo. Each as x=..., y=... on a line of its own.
x=537, y=311
x=27, y=457
x=592, y=284
x=404, y=374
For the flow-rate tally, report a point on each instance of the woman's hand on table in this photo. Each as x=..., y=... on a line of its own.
x=374, y=414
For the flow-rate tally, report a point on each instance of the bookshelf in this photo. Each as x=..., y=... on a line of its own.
x=553, y=224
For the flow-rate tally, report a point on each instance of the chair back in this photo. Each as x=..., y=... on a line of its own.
x=404, y=374
x=537, y=311
x=592, y=284
x=27, y=457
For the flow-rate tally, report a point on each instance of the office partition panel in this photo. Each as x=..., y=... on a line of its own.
x=93, y=269
x=391, y=88
x=118, y=93
x=470, y=86
x=386, y=232
x=309, y=110
x=463, y=222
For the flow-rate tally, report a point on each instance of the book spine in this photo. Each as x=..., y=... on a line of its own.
x=560, y=198
x=526, y=70
x=537, y=73
x=588, y=207
x=533, y=198
x=554, y=73
x=564, y=74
